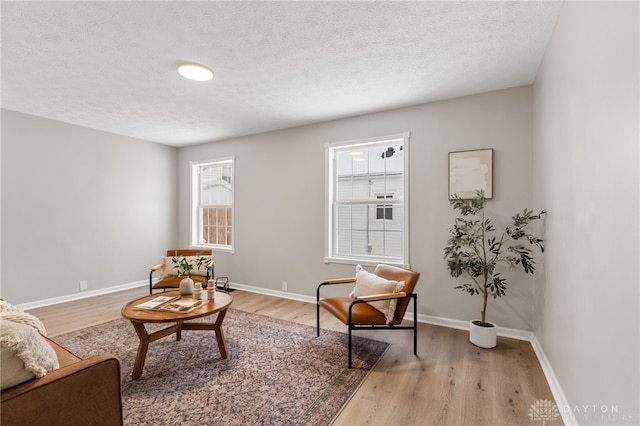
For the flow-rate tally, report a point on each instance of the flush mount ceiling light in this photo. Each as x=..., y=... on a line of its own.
x=195, y=72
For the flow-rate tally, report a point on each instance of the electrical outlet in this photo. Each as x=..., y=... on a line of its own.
x=83, y=286
x=284, y=286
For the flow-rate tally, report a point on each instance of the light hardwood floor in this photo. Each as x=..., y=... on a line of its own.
x=450, y=382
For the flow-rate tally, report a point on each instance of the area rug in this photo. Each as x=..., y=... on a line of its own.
x=276, y=373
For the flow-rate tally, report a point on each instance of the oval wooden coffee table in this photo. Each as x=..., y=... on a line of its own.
x=140, y=317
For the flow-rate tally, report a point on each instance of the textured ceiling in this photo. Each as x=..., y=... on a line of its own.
x=112, y=65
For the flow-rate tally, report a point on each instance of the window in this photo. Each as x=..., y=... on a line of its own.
x=212, y=209
x=384, y=211
x=366, y=213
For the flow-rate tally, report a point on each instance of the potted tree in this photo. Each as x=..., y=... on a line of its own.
x=475, y=252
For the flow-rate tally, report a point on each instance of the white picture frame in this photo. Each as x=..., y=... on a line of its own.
x=470, y=171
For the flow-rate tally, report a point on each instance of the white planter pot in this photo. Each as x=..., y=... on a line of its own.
x=186, y=286
x=484, y=337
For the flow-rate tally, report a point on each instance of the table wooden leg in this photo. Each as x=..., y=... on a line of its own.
x=215, y=326
x=220, y=335
x=138, y=365
x=145, y=339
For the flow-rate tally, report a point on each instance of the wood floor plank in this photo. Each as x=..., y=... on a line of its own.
x=450, y=383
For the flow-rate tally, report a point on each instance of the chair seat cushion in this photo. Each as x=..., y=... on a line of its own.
x=362, y=313
x=368, y=284
x=174, y=282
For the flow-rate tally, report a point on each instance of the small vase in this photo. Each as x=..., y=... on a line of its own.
x=483, y=336
x=186, y=286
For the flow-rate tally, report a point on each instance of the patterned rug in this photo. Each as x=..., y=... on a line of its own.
x=277, y=372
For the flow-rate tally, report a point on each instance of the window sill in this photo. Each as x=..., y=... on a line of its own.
x=365, y=261
x=216, y=249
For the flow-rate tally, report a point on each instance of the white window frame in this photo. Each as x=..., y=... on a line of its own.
x=196, y=223
x=384, y=206
x=330, y=185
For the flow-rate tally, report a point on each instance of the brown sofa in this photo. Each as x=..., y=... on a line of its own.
x=80, y=392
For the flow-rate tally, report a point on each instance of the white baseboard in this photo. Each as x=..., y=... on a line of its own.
x=513, y=333
x=82, y=295
x=276, y=293
x=568, y=417
x=556, y=389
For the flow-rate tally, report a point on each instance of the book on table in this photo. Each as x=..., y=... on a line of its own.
x=181, y=305
x=155, y=302
x=170, y=304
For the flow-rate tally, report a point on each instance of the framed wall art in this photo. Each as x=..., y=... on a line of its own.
x=470, y=171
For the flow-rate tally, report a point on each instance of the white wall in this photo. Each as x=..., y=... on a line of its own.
x=80, y=204
x=586, y=174
x=280, y=181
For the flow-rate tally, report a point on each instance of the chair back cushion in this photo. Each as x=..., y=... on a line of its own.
x=168, y=268
x=397, y=273
x=368, y=284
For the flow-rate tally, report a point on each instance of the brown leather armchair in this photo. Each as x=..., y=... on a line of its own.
x=357, y=313
x=167, y=280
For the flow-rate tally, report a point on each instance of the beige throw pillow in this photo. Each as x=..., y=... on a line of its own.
x=368, y=284
x=24, y=354
x=15, y=314
x=169, y=268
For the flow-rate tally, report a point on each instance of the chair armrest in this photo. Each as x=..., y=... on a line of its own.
x=340, y=280
x=331, y=282
x=153, y=269
x=383, y=296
